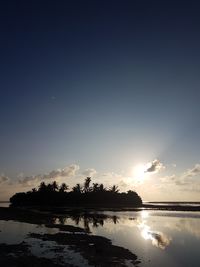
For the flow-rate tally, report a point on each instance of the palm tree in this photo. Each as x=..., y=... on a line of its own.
x=42, y=187
x=54, y=186
x=95, y=187
x=101, y=188
x=49, y=188
x=87, y=184
x=114, y=189
x=77, y=188
x=63, y=187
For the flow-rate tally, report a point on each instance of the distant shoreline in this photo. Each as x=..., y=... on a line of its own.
x=63, y=209
x=172, y=207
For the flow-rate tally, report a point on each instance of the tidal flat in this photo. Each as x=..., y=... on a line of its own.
x=87, y=237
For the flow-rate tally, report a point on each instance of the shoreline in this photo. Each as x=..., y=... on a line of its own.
x=146, y=206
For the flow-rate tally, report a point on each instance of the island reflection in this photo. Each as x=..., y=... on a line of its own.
x=95, y=220
x=87, y=220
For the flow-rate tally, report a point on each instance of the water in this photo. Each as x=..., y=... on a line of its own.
x=4, y=204
x=158, y=238
x=12, y=232
x=190, y=204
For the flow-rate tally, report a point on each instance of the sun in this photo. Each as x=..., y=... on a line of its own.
x=139, y=172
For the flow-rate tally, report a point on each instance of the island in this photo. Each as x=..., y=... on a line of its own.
x=88, y=195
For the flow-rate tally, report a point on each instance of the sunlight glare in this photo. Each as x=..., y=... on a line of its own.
x=139, y=172
x=144, y=214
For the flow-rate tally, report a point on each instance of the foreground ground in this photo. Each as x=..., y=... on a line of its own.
x=96, y=250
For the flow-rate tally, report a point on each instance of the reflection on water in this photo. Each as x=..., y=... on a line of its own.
x=158, y=238
x=88, y=220
x=94, y=220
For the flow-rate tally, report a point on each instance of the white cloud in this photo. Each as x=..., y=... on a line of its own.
x=67, y=172
x=192, y=172
x=89, y=172
x=154, y=166
x=190, y=179
x=168, y=179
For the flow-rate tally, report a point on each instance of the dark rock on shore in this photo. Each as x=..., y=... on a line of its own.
x=98, y=250
x=18, y=255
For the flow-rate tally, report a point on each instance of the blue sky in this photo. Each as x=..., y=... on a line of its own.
x=104, y=85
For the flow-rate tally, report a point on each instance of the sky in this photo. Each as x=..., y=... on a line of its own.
x=103, y=88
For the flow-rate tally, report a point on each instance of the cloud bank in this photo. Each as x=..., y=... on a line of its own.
x=67, y=172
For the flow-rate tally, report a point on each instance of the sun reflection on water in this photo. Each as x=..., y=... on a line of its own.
x=158, y=239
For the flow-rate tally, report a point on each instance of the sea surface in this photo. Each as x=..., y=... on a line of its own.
x=158, y=238
x=4, y=204
x=190, y=204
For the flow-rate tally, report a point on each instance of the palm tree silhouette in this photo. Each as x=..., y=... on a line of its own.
x=64, y=187
x=54, y=186
x=114, y=189
x=95, y=187
x=77, y=188
x=87, y=184
x=42, y=186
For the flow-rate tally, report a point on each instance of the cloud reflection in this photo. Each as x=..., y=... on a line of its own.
x=158, y=239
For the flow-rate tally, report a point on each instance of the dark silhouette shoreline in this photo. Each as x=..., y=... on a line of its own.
x=96, y=195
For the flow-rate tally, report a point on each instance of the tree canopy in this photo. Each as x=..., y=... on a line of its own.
x=87, y=195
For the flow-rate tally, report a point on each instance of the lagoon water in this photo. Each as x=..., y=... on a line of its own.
x=4, y=204
x=158, y=238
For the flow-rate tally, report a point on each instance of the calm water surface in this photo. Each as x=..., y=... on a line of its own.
x=158, y=238
x=4, y=204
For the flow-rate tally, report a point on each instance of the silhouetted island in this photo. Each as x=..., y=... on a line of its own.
x=80, y=196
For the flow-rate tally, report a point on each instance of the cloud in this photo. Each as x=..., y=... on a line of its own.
x=154, y=166
x=70, y=170
x=110, y=178
x=193, y=187
x=27, y=180
x=122, y=184
x=3, y=179
x=67, y=172
x=189, y=179
x=192, y=172
x=159, y=239
x=89, y=172
x=186, y=226
x=168, y=179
